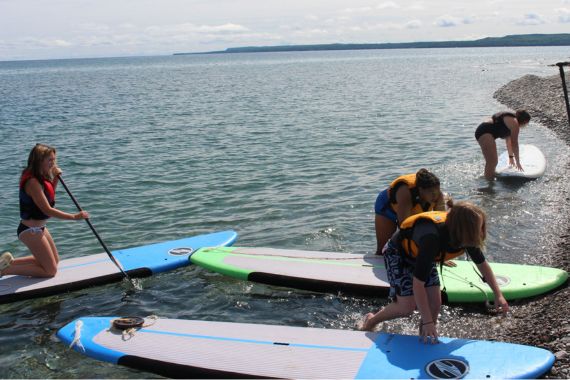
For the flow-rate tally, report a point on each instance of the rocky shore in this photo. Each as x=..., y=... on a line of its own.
x=545, y=321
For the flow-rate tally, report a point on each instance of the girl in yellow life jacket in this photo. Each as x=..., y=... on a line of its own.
x=411, y=257
x=407, y=195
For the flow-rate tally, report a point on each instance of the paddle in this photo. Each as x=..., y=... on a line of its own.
x=95, y=232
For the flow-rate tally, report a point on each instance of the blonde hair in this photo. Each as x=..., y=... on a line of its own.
x=463, y=224
x=38, y=153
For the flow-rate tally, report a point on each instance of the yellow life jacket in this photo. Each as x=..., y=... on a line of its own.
x=410, y=181
x=407, y=231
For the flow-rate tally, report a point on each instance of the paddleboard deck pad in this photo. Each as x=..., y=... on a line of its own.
x=532, y=160
x=333, y=272
x=82, y=272
x=190, y=348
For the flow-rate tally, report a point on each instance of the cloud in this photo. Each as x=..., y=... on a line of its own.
x=47, y=42
x=189, y=28
x=127, y=25
x=92, y=27
x=531, y=19
x=387, y=5
x=448, y=21
x=414, y=24
x=368, y=9
x=418, y=6
x=357, y=10
x=59, y=43
x=126, y=38
x=246, y=38
x=564, y=16
x=312, y=32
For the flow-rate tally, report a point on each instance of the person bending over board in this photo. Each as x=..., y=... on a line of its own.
x=37, y=200
x=407, y=195
x=505, y=125
x=411, y=256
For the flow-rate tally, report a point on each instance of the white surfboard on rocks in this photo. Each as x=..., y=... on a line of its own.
x=532, y=160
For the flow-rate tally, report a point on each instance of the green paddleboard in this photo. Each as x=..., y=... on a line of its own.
x=334, y=272
x=516, y=281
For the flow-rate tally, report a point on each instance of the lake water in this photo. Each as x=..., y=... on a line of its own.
x=288, y=149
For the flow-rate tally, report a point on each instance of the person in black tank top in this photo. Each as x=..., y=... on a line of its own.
x=37, y=200
x=504, y=125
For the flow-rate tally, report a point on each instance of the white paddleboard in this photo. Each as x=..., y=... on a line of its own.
x=532, y=161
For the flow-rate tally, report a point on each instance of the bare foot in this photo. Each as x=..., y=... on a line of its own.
x=6, y=260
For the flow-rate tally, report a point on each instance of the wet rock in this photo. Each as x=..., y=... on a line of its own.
x=561, y=355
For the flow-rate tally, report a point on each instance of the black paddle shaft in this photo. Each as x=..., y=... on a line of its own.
x=94, y=231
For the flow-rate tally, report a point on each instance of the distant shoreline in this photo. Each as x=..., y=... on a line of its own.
x=519, y=40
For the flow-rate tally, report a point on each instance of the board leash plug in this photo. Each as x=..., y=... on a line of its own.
x=125, y=323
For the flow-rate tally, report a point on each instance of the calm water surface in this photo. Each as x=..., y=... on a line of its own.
x=288, y=149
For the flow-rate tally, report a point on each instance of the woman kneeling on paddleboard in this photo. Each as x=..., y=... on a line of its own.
x=407, y=195
x=37, y=200
x=504, y=125
x=411, y=257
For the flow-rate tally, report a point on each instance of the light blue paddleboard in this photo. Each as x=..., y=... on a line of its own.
x=81, y=272
x=189, y=349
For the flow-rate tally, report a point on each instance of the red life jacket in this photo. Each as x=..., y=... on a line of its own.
x=28, y=208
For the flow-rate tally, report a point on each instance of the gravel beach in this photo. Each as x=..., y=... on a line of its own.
x=544, y=321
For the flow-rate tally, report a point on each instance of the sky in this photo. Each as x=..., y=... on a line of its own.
x=53, y=29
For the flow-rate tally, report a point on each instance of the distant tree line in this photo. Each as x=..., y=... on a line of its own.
x=507, y=41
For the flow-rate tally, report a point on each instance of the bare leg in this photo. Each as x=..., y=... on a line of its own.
x=385, y=228
x=52, y=245
x=403, y=306
x=24, y=260
x=44, y=260
x=489, y=149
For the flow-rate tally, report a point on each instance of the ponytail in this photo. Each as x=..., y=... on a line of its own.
x=426, y=180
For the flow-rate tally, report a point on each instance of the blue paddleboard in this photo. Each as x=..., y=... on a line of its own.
x=81, y=272
x=189, y=349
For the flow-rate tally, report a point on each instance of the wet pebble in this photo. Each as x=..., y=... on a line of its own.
x=545, y=321
x=561, y=355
